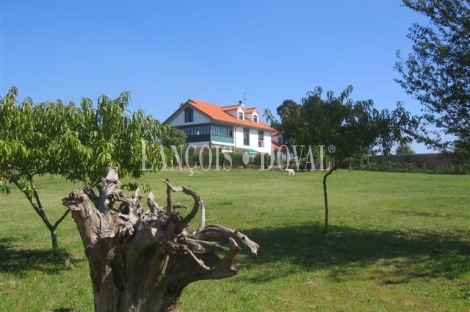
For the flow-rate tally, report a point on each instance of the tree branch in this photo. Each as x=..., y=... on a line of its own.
x=142, y=258
x=56, y=224
x=187, y=191
x=215, y=232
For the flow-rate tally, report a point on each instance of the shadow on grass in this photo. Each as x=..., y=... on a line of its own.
x=426, y=214
x=17, y=261
x=392, y=256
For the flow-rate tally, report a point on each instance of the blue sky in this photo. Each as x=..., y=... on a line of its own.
x=165, y=52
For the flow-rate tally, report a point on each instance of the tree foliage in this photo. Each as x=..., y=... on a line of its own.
x=436, y=73
x=355, y=128
x=174, y=136
x=352, y=128
x=288, y=128
x=77, y=142
x=404, y=149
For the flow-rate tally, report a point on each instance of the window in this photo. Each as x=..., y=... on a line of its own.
x=279, y=140
x=260, y=139
x=255, y=118
x=246, y=136
x=221, y=131
x=188, y=115
x=240, y=115
x=196, y=130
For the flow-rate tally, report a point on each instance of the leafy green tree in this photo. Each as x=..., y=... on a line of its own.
x=436, y=72
x=3, y=186
x=174, y=139
x=174, y=136
x=347, y=128
x=288, y=107
x=76, y=142
x=404, y=149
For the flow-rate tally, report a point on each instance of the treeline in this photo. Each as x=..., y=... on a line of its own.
x=214, y=160
x=395, y=166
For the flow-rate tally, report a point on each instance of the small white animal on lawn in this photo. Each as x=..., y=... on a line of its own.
x=290, y=172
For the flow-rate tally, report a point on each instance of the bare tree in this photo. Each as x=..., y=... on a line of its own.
x=142, y=260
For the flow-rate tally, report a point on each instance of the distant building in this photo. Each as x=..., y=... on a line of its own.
x=229, y=127
x=277, y=140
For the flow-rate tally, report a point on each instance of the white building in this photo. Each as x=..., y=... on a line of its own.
x=229, y=127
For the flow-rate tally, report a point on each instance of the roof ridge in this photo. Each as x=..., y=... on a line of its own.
x=220, y=114
x=227, y=107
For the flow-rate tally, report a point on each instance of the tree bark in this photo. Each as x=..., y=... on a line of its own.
x=33, y=197
x=325, y=193
x=325, y=197
x=142, y=261
x=55, y=245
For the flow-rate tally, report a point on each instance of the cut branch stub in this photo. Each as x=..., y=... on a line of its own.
x=142, y=260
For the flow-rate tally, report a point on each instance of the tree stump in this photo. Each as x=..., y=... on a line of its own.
x=142, y=260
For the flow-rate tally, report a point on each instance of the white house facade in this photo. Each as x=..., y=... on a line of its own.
x=225, y=127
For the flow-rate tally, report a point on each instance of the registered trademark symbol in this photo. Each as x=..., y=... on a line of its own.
x=331, y=148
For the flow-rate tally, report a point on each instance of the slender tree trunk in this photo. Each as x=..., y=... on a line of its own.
x=142, y=261
x=55, y=245
x=53, y=230
x=33, y=198
x=325, y=194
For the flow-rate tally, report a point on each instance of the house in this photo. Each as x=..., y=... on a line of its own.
x=229, y=127
x=277, y=140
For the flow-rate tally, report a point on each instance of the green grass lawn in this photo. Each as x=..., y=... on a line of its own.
x=397, y=242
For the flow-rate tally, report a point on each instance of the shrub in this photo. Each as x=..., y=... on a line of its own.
x=391, y=166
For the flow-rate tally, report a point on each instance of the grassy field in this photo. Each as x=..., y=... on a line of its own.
x=397, y=242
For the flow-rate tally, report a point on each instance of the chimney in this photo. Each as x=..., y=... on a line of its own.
x=240, y=103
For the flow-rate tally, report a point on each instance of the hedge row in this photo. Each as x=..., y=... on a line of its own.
x=385, y=166
x=391, y=166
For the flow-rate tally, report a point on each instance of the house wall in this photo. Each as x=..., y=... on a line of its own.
x=275, y=139
x=196, y=132
x=237, y=141
x=223, y=137
x=249, y=116
x=238, y=131
x=238, y=137
x=198, y=118
x=199, y=145
x=234, y=112
x=217, y=139
x=267, y=143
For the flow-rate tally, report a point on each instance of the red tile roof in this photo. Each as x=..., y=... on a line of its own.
x=219, y=114
x=236, y=106
x=276, y=145
x=251, y=110
x=228, y=107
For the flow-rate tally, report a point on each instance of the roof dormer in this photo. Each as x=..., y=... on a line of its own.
x=240, y=114
x=252, y=114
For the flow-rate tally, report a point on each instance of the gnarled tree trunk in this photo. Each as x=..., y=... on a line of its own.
x=141, y=261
